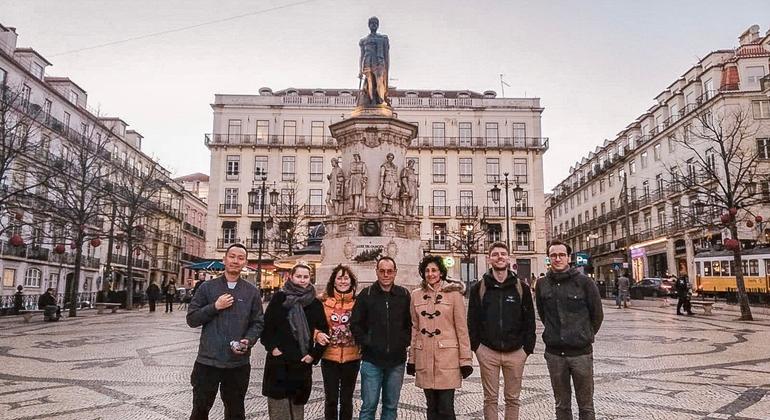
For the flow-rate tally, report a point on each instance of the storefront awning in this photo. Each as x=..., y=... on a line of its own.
x=522, y=227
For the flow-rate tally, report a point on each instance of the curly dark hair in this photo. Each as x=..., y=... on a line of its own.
x=333, y=277
x=435, y=259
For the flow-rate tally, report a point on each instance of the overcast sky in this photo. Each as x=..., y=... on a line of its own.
x=596, y=65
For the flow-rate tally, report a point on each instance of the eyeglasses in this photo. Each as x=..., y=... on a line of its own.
x=386, y=271
x=555, y=256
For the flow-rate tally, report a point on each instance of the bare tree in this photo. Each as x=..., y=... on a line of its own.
x=468, y=238
x=134, y=201
x=720, y=173
x=21, y=148
x=78, y=187
x=290, y=220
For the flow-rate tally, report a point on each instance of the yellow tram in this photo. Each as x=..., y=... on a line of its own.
x=715, y=272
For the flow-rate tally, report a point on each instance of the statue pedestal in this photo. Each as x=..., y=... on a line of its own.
x=357, y=237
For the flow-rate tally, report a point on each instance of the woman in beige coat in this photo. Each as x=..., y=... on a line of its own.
x=440, y=354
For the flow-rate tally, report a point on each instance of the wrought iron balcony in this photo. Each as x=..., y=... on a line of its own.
x=230, y=209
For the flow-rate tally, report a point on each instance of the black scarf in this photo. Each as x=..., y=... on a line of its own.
x=296, y=299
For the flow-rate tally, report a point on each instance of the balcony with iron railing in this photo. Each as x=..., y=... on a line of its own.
x=287, y=209
x=280, y=140
x=255, y=209
x=439, y=245
x=229, y=209
x=467, y=211
x=494, y=212
x=223, y=243
x=523, y=246
x=440, y=211
x=522, y=212
x=315, y=210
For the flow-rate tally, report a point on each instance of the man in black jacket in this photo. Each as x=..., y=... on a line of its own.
x=230, y=311
x=382, y=325
x=570, y=308
x=501, y=325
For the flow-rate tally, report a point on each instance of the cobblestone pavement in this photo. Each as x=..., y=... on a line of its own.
x=649, y=363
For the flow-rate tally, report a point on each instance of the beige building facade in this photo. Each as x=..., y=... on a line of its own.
x=620, y=205
x=466, y=142
x=63, y=120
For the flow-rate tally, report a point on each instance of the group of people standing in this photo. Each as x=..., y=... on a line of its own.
x=385, y=331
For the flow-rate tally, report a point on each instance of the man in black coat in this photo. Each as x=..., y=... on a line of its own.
x=682, y=294
x=501, y=325
x=382, y=325
x=570, y=309
x=153, y=294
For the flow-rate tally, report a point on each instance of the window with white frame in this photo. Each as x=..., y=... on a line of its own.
x=316, y=132
x=32, y=277
x=761, y=109
x=492, y=134
x=493, y=170
x=656, y=152
x=632, y=167
x=231, y=198
x=289, y=132
x=439, y=169
x=466, y=134
x=520, y=170
x=262, y=130
x=234, y=131
x=466, y=170
x=288, y=168
x=643, y=159
x=519, y=134
x=763, y=148
x=753, y=75
x=260, y=166
x=26, y=92
x=439, y=133
x=233, y=167
x=316, y=168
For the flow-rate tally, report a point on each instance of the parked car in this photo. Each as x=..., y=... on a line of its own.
x=652, y=287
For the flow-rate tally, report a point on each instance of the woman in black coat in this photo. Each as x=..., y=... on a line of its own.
x=291, y=319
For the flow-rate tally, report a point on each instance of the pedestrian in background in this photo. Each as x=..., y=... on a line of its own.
x=18, y=299
x=230, y=311
x=291, y=318
x=570, y=309
x=170, y=293
x=342, y=357
x=501, y=323
x=382, y=326
x=440, y=354
x=624, y=286
x=47, y=302
x=682, y=294
x=153, y=294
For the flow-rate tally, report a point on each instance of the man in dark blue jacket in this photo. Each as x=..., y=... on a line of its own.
x=382, y=325
x=501, y=325
x=570, y=308
x=230, y=311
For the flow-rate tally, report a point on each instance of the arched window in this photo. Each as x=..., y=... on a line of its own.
x=32, y=277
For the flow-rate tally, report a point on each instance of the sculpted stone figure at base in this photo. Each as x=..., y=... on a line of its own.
x=389, y=185
x=335, y=196
x=409, y=185
x=357, y=180
x=374, y=66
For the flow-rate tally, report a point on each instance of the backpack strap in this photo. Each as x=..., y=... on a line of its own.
x=483, y=289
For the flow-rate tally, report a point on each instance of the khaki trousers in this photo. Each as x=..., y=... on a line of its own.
x=490, y=364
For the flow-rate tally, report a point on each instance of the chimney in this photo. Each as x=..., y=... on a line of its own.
x=8, y=39
x=749, y=36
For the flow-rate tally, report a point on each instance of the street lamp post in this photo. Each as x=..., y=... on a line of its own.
x=518, y=192
x=468, y=244
x=261, y=175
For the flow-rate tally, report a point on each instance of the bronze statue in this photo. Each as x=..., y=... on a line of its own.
x=335, y=196
x=374, y=67
x=357, y=183
x=409, y=185
x=389, y=185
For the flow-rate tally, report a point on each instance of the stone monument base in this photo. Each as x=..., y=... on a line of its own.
x=353, y=252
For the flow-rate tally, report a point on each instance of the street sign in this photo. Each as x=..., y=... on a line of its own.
x=449, y=262
x=581, y=259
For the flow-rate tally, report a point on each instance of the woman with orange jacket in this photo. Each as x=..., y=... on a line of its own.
x=341, y=360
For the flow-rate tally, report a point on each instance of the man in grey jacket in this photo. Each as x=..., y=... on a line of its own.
x=570, y=309
x=230, y=311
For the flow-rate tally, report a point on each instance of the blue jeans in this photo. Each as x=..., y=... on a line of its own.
x=375, y=379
